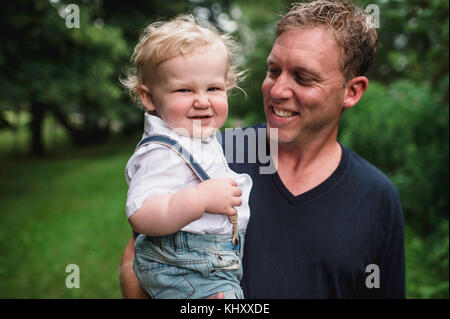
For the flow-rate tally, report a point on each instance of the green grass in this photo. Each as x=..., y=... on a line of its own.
x=67, y=209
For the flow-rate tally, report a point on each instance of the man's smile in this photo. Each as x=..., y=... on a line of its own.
x=283, y=113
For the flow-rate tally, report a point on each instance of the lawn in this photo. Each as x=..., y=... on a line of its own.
x=61, y=210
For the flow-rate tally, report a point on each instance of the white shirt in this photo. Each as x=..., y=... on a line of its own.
x=156, y=169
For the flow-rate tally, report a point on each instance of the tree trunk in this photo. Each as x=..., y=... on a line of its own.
x=37, y=118
x=89, y=134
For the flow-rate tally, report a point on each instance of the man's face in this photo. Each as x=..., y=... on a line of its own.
x=304, y=87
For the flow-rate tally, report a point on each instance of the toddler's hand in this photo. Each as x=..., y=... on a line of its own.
x=220, y=196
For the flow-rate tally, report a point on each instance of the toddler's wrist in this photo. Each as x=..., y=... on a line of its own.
x=201, y=197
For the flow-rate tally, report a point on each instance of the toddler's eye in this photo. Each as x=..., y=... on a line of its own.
x=214, y=89
x=183, y=90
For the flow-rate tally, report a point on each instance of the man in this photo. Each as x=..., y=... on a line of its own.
x=327, y=224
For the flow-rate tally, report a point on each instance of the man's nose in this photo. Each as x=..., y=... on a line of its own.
x=281, y=89
x=202, y=101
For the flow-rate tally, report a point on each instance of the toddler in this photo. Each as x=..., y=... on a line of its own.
x=190, y=209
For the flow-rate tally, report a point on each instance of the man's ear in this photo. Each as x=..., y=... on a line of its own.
x=355, y=89
x=146, y=98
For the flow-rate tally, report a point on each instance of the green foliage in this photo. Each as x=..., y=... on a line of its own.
x=256, y=33
x=427, y=263
x=403, y=130
x=60, y=69
x=56, y=64
x=413, y=41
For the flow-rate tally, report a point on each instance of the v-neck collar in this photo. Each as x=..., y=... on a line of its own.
x=319, y=189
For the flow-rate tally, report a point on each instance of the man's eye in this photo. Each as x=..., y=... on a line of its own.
x=303, y=80
x=273, y=72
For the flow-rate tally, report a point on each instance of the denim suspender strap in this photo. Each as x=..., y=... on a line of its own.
x=182, y=152
x=193, y=164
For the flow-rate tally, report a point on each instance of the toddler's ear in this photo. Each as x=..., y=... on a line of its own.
x=146, y=98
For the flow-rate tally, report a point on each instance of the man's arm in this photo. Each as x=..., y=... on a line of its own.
x=129, y=284
x=392, y=259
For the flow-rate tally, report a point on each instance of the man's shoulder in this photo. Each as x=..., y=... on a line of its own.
x=369, y=174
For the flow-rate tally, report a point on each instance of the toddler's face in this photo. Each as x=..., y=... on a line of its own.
x=190, y=92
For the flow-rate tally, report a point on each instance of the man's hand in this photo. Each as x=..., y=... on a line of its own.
x=129, y=284
x=219, y=295
x=220, y=196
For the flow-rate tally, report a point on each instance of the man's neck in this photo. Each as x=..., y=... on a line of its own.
x=304, y=167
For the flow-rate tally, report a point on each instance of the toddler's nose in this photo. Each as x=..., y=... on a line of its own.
x=202, y=101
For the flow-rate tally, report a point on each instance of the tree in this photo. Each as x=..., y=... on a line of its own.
x=47, y=66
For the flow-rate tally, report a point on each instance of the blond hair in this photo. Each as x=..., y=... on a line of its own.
x=349, y=25
x=164, y=40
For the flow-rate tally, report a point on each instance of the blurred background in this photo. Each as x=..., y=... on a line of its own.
x=67, y=129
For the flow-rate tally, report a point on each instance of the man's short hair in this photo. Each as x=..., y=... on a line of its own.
x=350, y=26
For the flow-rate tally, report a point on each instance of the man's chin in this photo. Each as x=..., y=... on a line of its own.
x=284, y=136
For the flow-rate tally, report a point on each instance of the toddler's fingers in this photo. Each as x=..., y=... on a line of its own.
x=230, y=211
x=233, y=182
x=237, y=191
x=237, y=201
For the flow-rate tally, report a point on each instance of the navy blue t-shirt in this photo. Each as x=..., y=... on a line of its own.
x=333, y=241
